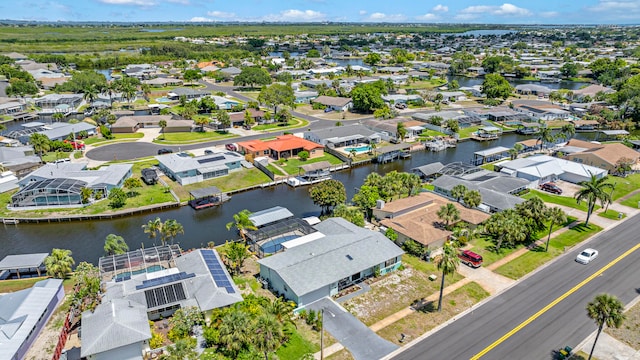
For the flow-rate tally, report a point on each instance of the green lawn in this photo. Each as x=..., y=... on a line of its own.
x=531, y=260
x=274, y=170
x=53, y=156
x=430, y=133
x=632, y=201
x=296, y=347
x=560, y=200
x=192, y=137
x=293, y=124
x=612, y=214
x=489, y=167
x=292, y=166
x=624, y=186
x=235, y=180
x=126, y=137
x=466, y=132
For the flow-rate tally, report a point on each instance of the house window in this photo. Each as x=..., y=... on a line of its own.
x=390, y=262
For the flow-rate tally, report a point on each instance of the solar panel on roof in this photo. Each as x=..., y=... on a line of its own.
x=164, y=280
x=217, y=272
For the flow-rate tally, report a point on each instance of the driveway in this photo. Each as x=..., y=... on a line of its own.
x=362, y=342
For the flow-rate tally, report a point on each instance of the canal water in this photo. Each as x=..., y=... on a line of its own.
x=86, y=239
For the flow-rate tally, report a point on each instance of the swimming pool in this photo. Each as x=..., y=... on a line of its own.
x=274, y=245
x=163, y=99
x=359, y=149
x=128, y=274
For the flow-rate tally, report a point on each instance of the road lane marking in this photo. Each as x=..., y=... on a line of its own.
x=554, y=303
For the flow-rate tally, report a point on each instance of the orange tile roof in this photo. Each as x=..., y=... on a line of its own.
x=279, y=144
x=254, y=145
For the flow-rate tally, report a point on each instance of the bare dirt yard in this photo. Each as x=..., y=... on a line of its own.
x=629, y=332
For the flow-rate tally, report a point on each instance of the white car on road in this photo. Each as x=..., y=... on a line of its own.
x=586, y=256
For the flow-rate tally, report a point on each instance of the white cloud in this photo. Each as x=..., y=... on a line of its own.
x=473, y=12
x=182, y=2
x=617, y=9
x=362, y=12
x=200, y=19
x=440, y=8
x=382, y=17
x=302, y=15
x=549, y=14
x=129, y=2
x=428, y=17
x=221, y=14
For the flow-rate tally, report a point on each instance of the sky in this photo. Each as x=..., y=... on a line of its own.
x=395, y=11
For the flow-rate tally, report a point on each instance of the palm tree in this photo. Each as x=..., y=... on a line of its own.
x=513, y=153
x=282, y=310
x=163, y=125
x=129, y=92
x=90, y=94
x=170, y=229
x=268, y=334
x=458, y=191
x=447, y=262
x=593, y=190
x=448, y=213
x=605, y=309
x=235, y=331
x=59, y=263
x=85, y=194
x=401, y=131
x=544, y=136
x=236, y=253
x=153, y=228
x=472, y=198
x=57, y=117
x=223, y=119
x=115, y=245
x=556, y=217
x=40, y=143
x=242, y=223
x=567, y=131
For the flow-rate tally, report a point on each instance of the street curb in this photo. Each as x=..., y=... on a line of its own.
x=472, y=308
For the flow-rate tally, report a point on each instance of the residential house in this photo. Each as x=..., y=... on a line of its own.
x=453, y=96
x=225, y=103
x=189, y=170
x=533, y=89
x=400, y=99
x=603, y=156
x=162, y=82
x=325, y=265
x=131, y=124
x=334, y=103
x=281, y=147
x=415, y=218
x=188, y=93
x=591, y=92
x=61, y=184
x=270, y=216
x=19, y=159
x=304, y=97
x=24, y=313
x=230, y=72
x=10, y=106
x=539, y=169
x=428, y=172
x=340, y=136
x=55, y=101
x=540, y=110
x=238, y=118
x=61, y=130
x=497, y=190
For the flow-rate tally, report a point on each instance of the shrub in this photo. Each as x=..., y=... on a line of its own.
x=414, y=248
x=317, y=106
x=303, y=155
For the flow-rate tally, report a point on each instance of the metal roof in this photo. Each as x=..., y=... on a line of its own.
x=271, y=215
x=429, y=169
x=320, y=165
x=493, y=151
x=204, y=192
x=615, y=132
x=24, y=261
x=20, y=312
x=345, y=249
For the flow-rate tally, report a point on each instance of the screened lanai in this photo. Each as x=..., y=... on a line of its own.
x=50, y=192
x=122, y=267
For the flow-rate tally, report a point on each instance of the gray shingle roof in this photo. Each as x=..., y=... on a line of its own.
x=113, y=324
x=345, y=249
x=428, y=169
x=337, y=132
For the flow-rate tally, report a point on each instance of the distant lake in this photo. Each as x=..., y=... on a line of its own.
x=495, y=32
x=153, y=30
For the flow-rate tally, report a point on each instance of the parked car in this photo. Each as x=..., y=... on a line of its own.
x=246, y=127
x=328, y=110
x=149, y=176
x=401, y=106
x=231, y=147
x=551, y=187
x=586, y=256
x=470, y=258
x=208, y=152
x=165, y=151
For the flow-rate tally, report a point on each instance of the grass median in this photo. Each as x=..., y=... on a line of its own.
x=193, y=137
x=560, y=200
x=536, y=257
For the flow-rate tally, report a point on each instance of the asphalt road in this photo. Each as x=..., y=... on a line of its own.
x=566, y=323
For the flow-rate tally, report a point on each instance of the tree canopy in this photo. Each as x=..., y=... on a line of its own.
x=496, y=86
x=251, y=76
x=328, y=194
x=367, y=97
x=275, y=95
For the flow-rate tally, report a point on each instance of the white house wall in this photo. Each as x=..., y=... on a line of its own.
x=128, y=352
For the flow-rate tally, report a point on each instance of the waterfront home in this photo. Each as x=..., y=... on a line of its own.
x=23, y=315
x=282, y=147
x=543, y=168
x=269, y=216
x=55, y=101
x=497, y=190
x=591, y=92
x=187, y=170
x=428, y=172
x=10, y=106
x=340, y=136
x=540, y=110
x=150, y=284
x=603, y=156
x=528, y=128
x=19, y=159
x=60, y=131
x=342, y=254
x=533, y=89
x=61, y=184
x=415, y=218
x=334, y=103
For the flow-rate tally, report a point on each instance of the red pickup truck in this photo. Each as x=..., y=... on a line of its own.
x=77, y=145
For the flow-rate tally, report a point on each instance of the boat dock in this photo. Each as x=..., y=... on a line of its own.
x=207, y=197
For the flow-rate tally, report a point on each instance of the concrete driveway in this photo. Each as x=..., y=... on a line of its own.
x=362, y=342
